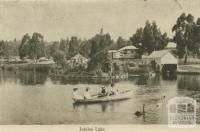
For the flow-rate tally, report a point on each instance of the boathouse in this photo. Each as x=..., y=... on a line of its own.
x=164, y=60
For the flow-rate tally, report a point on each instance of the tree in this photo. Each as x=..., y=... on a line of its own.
x=64, y=46
x=73, y=46
x=2, y=48
x=137, y=40
x=33, y=48
x=12, y=47
x=184, y=35
x=196, y=37
x=59, y=57
x=85, y=48
x=100, y=44
x=24, y=46
x=121, y=42
x=36, y=46
x=149, y=38
x=53, y=48
x=57, y=54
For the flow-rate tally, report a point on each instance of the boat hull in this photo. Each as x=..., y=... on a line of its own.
x=121, y=96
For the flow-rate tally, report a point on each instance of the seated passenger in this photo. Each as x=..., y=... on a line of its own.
x=103, y=92
x=87, y=94
x=76, y=95
x=113, y=90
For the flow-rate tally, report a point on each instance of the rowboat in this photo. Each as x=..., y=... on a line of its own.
x=124, y=95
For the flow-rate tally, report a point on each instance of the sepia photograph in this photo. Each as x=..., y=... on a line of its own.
x=100, y=62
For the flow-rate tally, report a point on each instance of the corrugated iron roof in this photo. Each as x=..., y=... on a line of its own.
x=131, y=47
x=158, y=54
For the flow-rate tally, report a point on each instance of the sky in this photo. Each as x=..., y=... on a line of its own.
x=85, y=18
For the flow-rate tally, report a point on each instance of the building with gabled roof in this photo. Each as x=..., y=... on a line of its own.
x=163, y=59
x=125, y=53
x=78, y=60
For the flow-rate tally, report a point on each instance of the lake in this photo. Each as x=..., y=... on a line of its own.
x=33, y=97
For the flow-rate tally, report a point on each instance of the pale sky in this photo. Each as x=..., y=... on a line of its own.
x=84, y=18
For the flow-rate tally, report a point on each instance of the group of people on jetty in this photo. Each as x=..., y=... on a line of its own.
x=109, y=91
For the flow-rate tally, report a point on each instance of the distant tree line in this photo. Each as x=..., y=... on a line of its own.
x=9, y=48
x=95, y=49
x=146, y=39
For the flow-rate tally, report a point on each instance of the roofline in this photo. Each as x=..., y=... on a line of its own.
x=162, y=55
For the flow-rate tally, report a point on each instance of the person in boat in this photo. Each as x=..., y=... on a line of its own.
x=103, y=92
x=112, y=90
x=87, y=94
x=76, y=95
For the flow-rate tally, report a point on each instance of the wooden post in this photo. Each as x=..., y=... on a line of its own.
x=144, y=109
x=144, y=112
x=111, y=67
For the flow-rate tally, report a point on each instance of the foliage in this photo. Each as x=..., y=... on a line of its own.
x=53, y=47
x=73, y=46
x=99, y=46
x=36, y=46
x=116, y=68
x=85, y=48
x=59, y=57
x=121, y=42
x=12, y=47
x=64, y=46
x=149, y=38
x=2, y=48
x=9, y=48
x=187, y=34
x=24, y=47
x=32, y=47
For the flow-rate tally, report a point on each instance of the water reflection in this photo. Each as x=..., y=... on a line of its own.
x=141, y=80
x=28, y=77
x=22, y=101
x=101, y=107
x=32, y=77
x=189, y=82
x=169, y=76
x=149, y=81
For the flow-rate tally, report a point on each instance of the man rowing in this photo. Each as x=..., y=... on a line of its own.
x=109, y=91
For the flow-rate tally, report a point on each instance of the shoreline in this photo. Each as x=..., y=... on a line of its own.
x=193, y=69
x=189, y=69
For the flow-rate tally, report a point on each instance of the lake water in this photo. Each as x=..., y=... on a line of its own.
x=31, y=97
